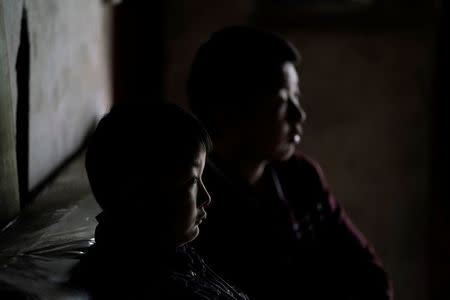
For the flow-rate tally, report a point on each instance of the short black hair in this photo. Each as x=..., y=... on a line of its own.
x=149, y=143
x=231, y=66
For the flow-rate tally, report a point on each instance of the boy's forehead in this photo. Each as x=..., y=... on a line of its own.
x=280, y=76
x=197, y=163
x=289, y=72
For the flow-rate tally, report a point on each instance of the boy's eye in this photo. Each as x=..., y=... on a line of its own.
x=194, y=180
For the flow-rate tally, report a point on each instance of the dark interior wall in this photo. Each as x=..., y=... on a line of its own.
x=368, y=97
x=440, y=205
x=138, y=58
x=368, y=94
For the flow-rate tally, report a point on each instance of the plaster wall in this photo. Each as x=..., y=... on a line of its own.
x=69, y=75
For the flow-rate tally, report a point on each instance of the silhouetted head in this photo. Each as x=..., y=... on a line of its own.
x=243, y=80
x=144, y=165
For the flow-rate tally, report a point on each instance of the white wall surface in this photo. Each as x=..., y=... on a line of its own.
x=69, y=75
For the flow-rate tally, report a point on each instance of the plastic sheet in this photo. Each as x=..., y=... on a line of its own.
x=38, y=248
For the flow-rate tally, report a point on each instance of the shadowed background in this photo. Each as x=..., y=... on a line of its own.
x=367, y=80
x=372, y=77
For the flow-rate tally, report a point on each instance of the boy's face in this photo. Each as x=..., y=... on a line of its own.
x=190, y=199
x=275, y=127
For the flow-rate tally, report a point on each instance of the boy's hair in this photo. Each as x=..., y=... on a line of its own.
x=141, y=145
x=231, y=67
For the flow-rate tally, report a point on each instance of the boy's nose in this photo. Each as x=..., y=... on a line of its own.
x=205, y=197
x=296, y=113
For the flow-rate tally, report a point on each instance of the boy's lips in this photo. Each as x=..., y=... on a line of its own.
x=201, y=218
x=295, y=138
x=296, y=135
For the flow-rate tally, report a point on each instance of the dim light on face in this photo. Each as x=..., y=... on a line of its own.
x=275, y=127
x=190, y=201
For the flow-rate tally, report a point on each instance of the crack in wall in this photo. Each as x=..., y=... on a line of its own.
x=23, y=109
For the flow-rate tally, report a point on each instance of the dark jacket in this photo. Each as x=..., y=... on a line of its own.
x=125, y=265
x=287, y=238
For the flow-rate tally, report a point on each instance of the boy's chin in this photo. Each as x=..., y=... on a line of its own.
x=189, y=236
x=193, y=234
x=285, y=152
